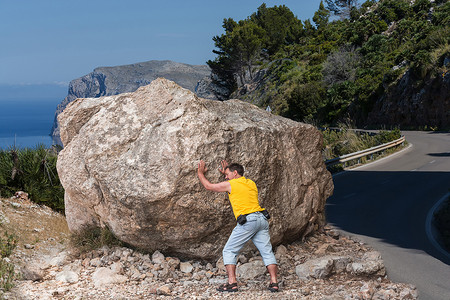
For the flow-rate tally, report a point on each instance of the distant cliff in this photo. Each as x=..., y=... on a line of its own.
x=106, y=81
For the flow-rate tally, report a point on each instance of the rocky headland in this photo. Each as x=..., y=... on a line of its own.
x=106, y=81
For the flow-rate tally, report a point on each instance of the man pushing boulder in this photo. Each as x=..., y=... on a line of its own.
x=251, y=220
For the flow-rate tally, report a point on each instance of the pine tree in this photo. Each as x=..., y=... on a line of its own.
x=321, y=16
x=341, y=8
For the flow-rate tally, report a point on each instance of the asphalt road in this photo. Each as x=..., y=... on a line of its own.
x=386, y=204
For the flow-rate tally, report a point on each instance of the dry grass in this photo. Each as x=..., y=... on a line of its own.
x=31, y=223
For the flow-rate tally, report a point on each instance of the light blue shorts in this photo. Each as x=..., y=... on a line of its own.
x=256, y=229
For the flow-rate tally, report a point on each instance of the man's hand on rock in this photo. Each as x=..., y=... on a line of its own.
x=224, y=166
x=202, y=167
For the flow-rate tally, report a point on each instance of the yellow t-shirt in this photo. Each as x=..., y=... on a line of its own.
x=243, y=196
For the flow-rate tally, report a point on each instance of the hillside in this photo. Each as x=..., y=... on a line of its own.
x=385, y=64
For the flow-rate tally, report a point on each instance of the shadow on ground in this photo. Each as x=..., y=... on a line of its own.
x=391, y=206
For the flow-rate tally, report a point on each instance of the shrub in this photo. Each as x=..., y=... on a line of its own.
x=7, y=276
x=7, y=244
x=7, y=273
x=91, y=238
x=32, y=171
x=344, y=141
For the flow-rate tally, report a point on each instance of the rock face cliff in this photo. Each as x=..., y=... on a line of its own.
x=408, y=104
x=106, y=81
x=129, y=162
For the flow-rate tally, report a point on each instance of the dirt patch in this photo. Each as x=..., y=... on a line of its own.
x=36, y=227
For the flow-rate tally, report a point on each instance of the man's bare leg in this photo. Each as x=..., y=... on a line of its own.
x=231, y=272
x=273, y=273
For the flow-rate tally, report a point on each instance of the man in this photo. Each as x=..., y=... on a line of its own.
x=243, y=195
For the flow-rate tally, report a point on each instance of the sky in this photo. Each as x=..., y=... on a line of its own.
x=55, y=41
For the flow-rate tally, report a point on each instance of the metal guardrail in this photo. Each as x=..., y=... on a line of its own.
x=362, y=153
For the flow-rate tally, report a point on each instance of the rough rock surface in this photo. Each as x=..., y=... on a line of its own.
x=106, y=81
x=130, y=162
x=408, y=104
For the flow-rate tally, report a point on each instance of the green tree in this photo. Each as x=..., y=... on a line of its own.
x=245, y=44
x=280, y=25
x=248, y=43
x=341, y=8
x=321, y=16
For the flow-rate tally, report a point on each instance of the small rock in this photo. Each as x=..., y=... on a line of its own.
x=281, y=251
x=28, y=246
x=157, y=257
x=173, y=262
x=197, y=276
x=324, y=249
x=164, y=290
x=15, y=205
x=220, y=266
x=372, y=255
x=86, y=262
x=316, y=268
x=95, y=262
x=334, y=234
x=186, y=267
x=242, y=259
x=188, y=283
x=367, y=268
x=409, y=293
x=340, y=263
x=32, y=272
x=59, y=260
x=216, y=281
x=251, y=270
x=21, y=195
x=117, y=268
x=367, y=290
x=104, y=276
x=67, y=276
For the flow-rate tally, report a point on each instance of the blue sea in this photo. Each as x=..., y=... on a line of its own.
x=27, y=114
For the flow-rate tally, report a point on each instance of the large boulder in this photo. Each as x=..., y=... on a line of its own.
x=130, y=160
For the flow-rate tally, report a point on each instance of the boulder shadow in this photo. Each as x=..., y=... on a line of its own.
x=391, y=206
x=444, y=154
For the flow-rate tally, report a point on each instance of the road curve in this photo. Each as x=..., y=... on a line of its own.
x=386, y=205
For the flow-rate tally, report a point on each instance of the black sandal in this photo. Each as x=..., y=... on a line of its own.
x=228, y=287
x=273, y=287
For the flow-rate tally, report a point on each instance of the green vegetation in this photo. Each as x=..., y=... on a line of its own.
x=345, y=141
x=442, y=223
x=7, y=274
x=7, y=244
x=91, y=238
x=32, y=171
x=333, y=70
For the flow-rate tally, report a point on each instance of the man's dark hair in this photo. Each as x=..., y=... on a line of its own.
x=236, y=167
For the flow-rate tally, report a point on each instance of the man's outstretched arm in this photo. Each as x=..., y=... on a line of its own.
x=224, y=186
